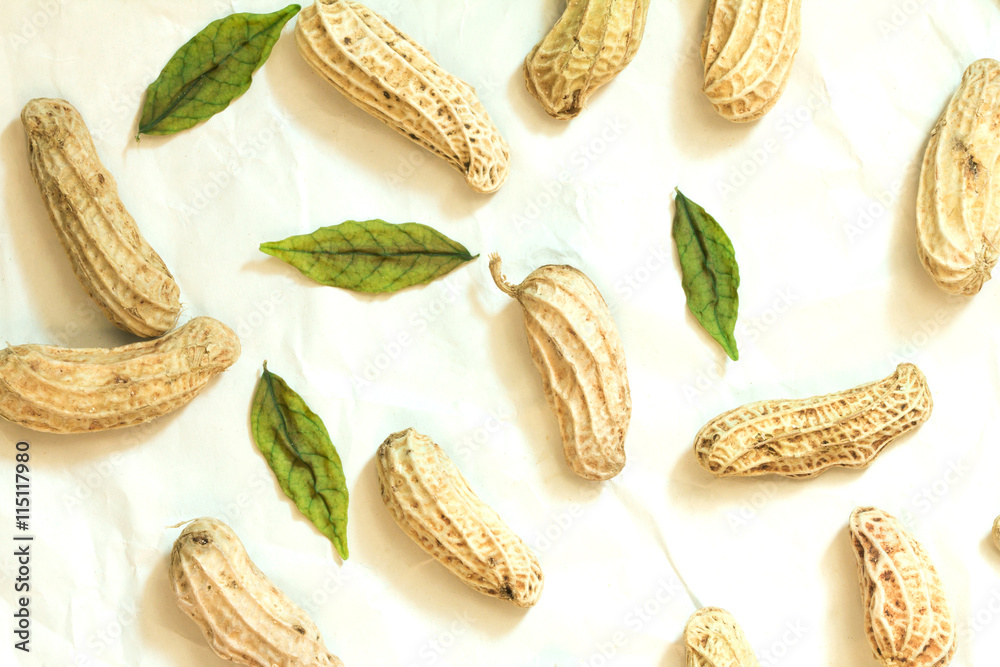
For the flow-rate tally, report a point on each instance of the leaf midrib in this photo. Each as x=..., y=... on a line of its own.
x=183, y=95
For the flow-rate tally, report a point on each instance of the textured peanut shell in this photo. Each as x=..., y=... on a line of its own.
x=958, y=201
x=116, y=266
x=996, y=533
x=804, y=437
x=387, y=74
x=433, y=504
x=244, y=617
x=747, y=50
x=908, y=620
x=713, y=638
x=578, y=352
x=588, y=46
x=77, y=390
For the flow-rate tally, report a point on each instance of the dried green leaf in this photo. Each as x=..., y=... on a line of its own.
x=211, y=70
x=295, y=443
x=372, y=255
x=709, y=273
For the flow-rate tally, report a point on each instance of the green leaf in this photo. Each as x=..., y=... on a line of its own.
x=296, y=445
x=371, y=256
x=210, y=71
x=709, y=273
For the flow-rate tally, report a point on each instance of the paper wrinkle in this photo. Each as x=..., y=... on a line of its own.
x=644, y=516
x=296, y=184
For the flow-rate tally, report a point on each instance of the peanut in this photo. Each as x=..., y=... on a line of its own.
x=908, y=620
x=384, y=72
x=588, y=46
x=66, y=390
x=804, y=437
x=244, y=617
x=996, y=533
x=958, y=212
x=578, y=352
x=116, y=266
x=714, y=639
x=433, y=504
x=748, y=49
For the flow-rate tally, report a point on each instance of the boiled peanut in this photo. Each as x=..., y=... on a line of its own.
x=433, y=504
x=713, y=638
x=116, y=266
x=747, y=50
x=67, y=390
x=958, y=212
x=244, y=617
x=387, y=74
x=588, y=46
x=804, y=437
x=908, y=620
x=578, y=352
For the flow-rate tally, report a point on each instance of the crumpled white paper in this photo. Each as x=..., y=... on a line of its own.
x=818, y=198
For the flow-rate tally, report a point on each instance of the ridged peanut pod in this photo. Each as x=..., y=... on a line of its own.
x=244, y=617
x=433, y=504
x=804, y=437
x=908, y=620
x=713, y=638
x=747, y=50
x=385, y=73
x=996, y=532
x=958, y=202
x=588, y=46
x=116, y=266
x=578, y=352
x=77, y=390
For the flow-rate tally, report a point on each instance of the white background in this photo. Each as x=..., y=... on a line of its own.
x=818, y=198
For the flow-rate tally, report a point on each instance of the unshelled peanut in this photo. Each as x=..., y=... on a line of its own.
x=387, y=74
x=433, y=503
x=78, y=390
x=958, y=201
x=908, y=620
x=747, y=51
x=804, y=437
x=114, y=263
x=713, y=638
x=244, y=617
x=575, y=345
x=588, y=46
